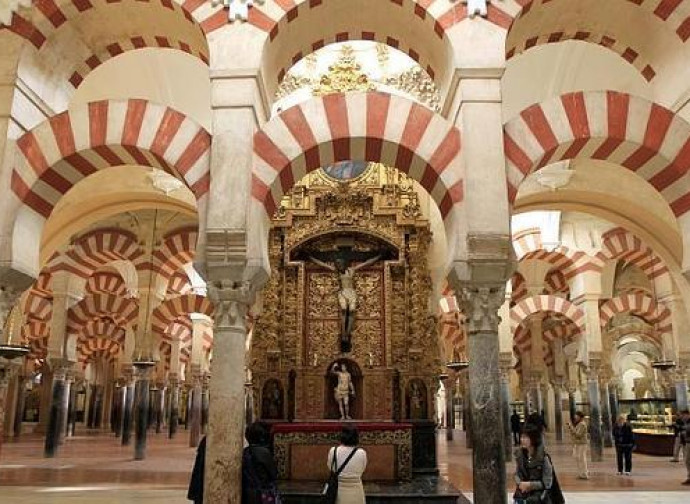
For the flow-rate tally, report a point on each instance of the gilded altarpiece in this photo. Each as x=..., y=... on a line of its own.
x=296, y=339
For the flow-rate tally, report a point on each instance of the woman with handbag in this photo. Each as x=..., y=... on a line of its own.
x=259, y=472
x=533, y=472
x=347, y=462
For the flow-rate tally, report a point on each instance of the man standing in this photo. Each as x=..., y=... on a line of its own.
x=515, y=425
x=685, y=441
x=580, y=436
x=625, y=441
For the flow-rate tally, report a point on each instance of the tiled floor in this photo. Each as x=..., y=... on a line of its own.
x=95, y=468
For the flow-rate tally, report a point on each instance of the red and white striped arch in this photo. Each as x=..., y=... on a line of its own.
x=178, y=248
x=179, y=329
x=373, y=127
x=548, y=304
x=178, y=284
x=518, y=288
x=556, y=283
x=35, y=330
x=619, y=26
x=104, y=282
x=620, y=243
x=89, y=349
x=37, y=307
x=103, y=328
x=70, y=146
x=168, y=311
x=98, y=306
x=97, y=249
x=567, y=330
x=639, y=304
x=642, y=136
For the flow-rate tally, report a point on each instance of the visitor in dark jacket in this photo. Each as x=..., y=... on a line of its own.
x=196, y=483
x=533, y=470
x=625, y=441
x=259, y=472
x=515, y=427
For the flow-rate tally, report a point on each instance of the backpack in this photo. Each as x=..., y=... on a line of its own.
x=555, y=493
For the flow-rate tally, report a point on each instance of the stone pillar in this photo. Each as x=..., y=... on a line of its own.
x=64, y=408
x=97, y=406
x=160, y=408
x=7, y=370
x=450, y=411
x=596, y=441
x=21, y=405
x=72, y=409
x=205, y=396
x=572, y=404
x=480, y=305
x=226, y=414
x=467, y=415
x=121, y=391
x=613, y=400
x=544, y=405
x=681, y=385
x=128, y=408
x=558, y=410
x=57, y=407
x=141, y=407
x=174, y=407
x=607, y=420
x=505, y=367
x=195, y=412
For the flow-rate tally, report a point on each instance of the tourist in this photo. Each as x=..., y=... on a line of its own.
x=515, y=427
x=259, y=471
x=533, y=471
x=349, y=461
x=195, y=492
x=625, y=441
x=580, y=436
x=685, y=441
x=677, y=428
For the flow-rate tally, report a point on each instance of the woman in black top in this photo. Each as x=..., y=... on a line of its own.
x=625, y=441
x=259, y=472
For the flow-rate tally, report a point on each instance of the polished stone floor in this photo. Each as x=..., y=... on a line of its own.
x=93, y=467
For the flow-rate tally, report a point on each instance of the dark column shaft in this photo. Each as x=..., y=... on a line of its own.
x=596, y=443
x=204, y=409
x=450, y=414
x=558, y=413
x=174, y=409
x=488, y=456
x=195, y=415
x=505, y=412
x=64, y=412
x=21, y=403
x=56, y=406
x=141, y=414
x=128, y=414
x=606, y=419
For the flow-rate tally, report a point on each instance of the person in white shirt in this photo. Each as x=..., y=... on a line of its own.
x=350, y=488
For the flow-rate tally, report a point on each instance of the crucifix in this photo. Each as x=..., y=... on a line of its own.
x=347, y=296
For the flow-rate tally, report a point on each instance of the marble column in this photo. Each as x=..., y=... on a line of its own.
x=450, y=412
x=480, y=305
x=121, y=400
x=64, y=409
x=572, y=404
x=223, y=481
x=7, y=369
x=544, y=405
x=174, y=407
x=505, y=367
x=558, y=411
x=141, y=407
x=46, y=394
x=128, y=409
x=596, y=441
x=204, y=404
x=21, y=405
x=681, y=384
x=160, y=408
x=613, y=401
x=71, y=410
x=195, y=412
x=467, y=418
x=57, y=409
x=606, y=418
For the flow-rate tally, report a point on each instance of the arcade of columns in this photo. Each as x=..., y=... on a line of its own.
x=616, y=121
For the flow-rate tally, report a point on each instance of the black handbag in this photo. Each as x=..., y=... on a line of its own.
x=329, y=494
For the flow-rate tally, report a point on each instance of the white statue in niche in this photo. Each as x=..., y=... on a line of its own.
x=343, y=390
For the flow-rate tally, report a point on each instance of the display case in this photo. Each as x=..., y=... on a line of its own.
x=651, y=421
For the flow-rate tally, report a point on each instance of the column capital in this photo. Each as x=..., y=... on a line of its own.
x=480, y=304
x=231, y=300
x=594, y=367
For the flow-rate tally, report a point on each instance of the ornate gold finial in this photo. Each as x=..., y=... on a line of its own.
x=343, y=76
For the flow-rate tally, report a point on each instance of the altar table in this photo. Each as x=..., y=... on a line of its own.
x=301, y=449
